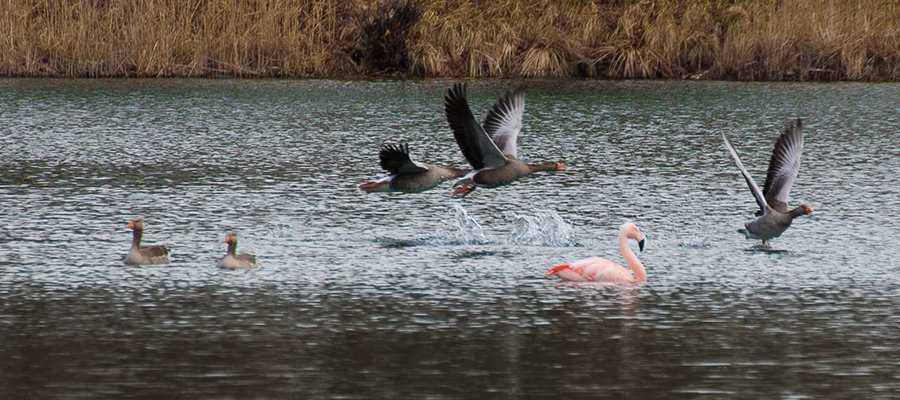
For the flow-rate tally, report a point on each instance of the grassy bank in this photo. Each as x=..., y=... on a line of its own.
x=716, y=39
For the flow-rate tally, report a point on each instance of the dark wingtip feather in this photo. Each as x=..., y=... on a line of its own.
x=393, y=157
x=456, y=106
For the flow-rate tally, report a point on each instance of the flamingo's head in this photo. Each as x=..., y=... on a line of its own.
x=631, y=231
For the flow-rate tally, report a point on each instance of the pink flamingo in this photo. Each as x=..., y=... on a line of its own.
x=598, y=269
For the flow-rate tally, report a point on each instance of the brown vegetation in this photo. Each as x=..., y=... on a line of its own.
x=717, y=39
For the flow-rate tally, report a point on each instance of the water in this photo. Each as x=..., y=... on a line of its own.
x=424, y=296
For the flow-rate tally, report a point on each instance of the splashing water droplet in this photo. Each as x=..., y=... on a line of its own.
x=280, y=228
x=468, y=230
x=544, y=228
x=695, y=240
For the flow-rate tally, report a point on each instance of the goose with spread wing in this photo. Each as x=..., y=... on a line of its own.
x=774, y=216
x=406, y=175
x=490, y=148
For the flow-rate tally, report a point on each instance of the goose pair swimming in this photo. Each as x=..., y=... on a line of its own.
x=490, y=149
x=152, y=255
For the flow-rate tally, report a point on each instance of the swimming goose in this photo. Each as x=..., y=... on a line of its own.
x=233, y=260
x=144, y=255
x=598, y=269
x=774, y=216
x=406, y=175
x=491, y=149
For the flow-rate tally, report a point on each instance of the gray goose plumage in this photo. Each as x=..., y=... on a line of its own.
x=490, y=149
x=232, y=260
x=774, y=216
x=144, y=255
x=406, y=175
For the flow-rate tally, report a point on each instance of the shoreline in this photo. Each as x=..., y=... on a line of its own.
x=722, y=40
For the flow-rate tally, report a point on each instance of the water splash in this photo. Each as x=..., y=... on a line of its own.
x=695, y=240
x=468, y=230
x=673, y=234
x=280, y=228
x=544, y=228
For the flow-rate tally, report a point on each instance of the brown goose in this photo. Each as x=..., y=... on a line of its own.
x=493, y=158
x=233, y=260
x=406, y=175
x=774, y=216
x=144, y=255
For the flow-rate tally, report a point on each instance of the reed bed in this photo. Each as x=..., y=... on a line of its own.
x=673, y=39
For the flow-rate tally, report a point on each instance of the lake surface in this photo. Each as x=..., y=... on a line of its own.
x=424, y=296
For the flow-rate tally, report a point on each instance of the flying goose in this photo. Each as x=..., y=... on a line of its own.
x=774, y=216
x=406, y=175
x=490, y=148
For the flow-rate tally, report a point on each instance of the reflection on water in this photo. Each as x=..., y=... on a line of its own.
x=393, y=295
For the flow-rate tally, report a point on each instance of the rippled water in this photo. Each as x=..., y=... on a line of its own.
x=415, y=296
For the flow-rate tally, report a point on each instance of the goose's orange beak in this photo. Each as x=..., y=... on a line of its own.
x=130, y=225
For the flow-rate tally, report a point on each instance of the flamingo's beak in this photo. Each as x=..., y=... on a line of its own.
x=641, y=245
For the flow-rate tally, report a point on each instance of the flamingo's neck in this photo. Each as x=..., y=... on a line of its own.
x=640, y=274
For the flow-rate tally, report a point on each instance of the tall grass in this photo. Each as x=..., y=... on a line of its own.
x=718, y=39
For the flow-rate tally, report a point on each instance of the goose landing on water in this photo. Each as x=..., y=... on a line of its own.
x=774, y=216
x=491, y=149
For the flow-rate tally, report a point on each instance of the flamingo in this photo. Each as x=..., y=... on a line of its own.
x=774, y=216
x=596, y=269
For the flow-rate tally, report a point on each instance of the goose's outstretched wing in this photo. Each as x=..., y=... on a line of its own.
x=753, y=188
x=395, y=160
x=478, y=148
x=784, y=166
x=504, y=121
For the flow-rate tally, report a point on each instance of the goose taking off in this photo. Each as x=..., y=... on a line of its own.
x=598, y=269
x=406, y=175
x=490, y=149
x=774, y=216
x=144, y=255
x=233, y=260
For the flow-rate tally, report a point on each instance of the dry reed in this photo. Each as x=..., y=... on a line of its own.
x=717, y=39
